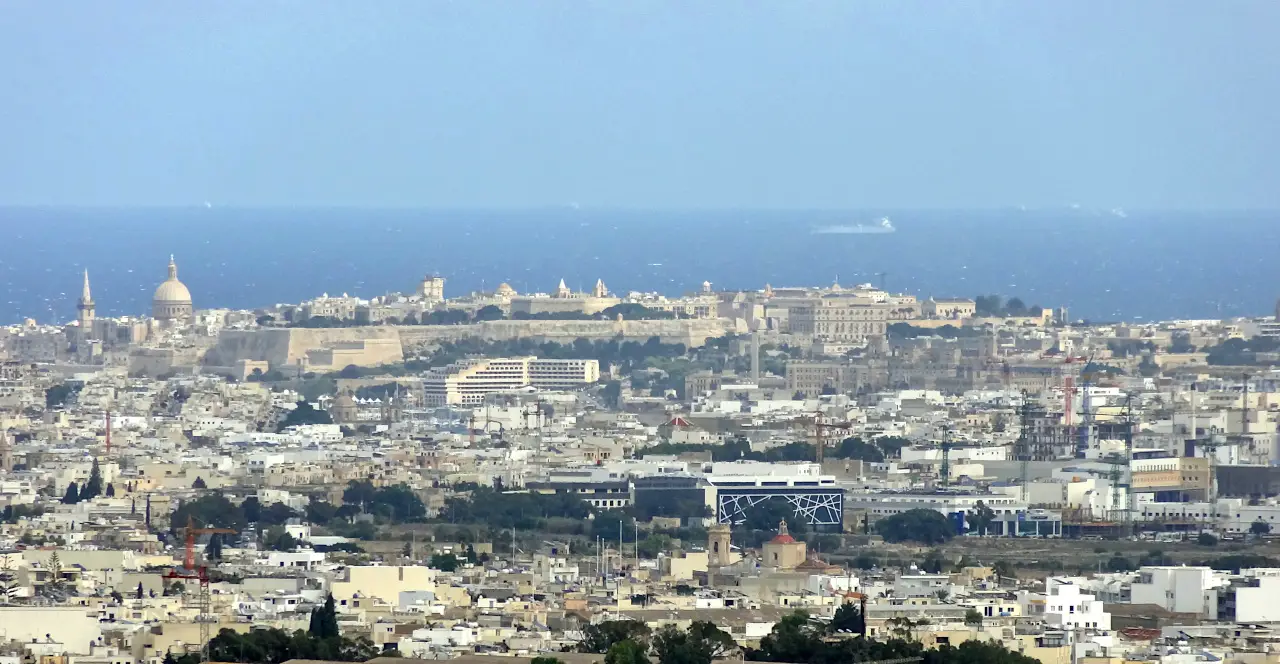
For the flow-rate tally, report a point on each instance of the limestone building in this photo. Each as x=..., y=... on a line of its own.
x=431, y=288
x=564, y=301
x=172, y=300
x=840, y=319
x=719, y=548
x=783, y=551
x=950, y=309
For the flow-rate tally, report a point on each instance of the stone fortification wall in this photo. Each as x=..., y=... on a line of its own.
x=692, y=332
x=283, y=347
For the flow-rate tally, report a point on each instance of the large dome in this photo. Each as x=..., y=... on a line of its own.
x=172, y=291
x=172, y=299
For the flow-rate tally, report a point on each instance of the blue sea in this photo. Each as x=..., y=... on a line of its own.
x=1103, y=264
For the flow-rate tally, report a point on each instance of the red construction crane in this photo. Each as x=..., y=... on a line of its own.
x=189, y=571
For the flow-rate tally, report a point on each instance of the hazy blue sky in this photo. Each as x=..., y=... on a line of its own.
x=641, y=104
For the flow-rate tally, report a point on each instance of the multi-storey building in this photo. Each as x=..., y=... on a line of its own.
x=468, y=382
x=1063, y=606
x=813, y=378
x=840, y=319
x=1172, y=479
x=950, y=309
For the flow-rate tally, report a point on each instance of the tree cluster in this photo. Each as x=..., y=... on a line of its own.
x=274, y=646
x=321, y=641
x=57, y=396
x=90, y=490
x=1242, y=352
x=525, y=511
x=631, y=642
x=211, y=510
x=994, y=306
x=304, y=413
x=924, y=526
x=796, y=638
x=396, y=503
x=739, y=449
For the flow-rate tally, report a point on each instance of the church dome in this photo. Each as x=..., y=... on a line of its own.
x=172, y=299
x=172, y=291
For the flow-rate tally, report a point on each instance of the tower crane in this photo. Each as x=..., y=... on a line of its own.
x=821, y=430
x=189, y=571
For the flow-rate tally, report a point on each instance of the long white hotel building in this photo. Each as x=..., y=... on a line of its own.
x=468, y=382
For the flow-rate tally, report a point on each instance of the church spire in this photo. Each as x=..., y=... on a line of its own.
x=85, y=297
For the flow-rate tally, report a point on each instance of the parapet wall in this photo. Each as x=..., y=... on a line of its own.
x=283, y=347
x=691, y=332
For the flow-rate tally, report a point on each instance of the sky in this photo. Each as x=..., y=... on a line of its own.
x=737, y=104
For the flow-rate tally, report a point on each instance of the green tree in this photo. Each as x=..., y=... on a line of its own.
x=1260, y=527
x=304, y=413
x=445, y=562
x=847, y=620
x=1004, y=569
x=1207, y=539
x=72, y=496
x=55, y=571
x=626, y=652
x=210, y=510
x=278, y=539
x=598, y=637
x=276, y=514
x=213, y=550
x=858, y=449
x=93, y=488
x=701, y=643
x=199, y=483
x=973, y=619
x=612, y=394
x=546, y=659
x=924, y=526
x=489, y=312
x=138, y=594
x=324, y=620
x=981, y=517
x=111, y=490
x=251, y=507
x=274, y=646
x=57, y=396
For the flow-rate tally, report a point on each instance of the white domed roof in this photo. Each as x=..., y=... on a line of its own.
x=172, y=290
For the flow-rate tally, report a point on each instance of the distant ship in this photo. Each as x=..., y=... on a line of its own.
x=882, y=226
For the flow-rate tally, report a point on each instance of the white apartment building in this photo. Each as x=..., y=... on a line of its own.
x=468, y=382
x=1228, y=515
x=1176, y=589
x=1248, y=598
x=1063, y=606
